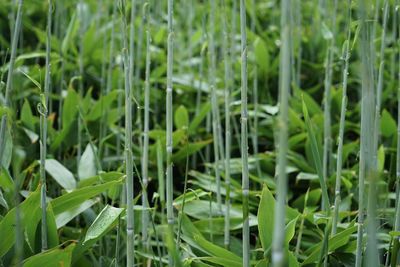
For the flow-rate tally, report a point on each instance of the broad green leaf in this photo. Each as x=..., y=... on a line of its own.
x=388, y=124
x=222, y=261
x=103, y=106
x=101, y=177
x=290, y=230
x=61, y=174
x=181, y=118
x=335, y=242
x=65, y=217
x=189, y=149
x=292, y=260
x=78, y=196
x=261, y=54
x=70, y=108
x=103, y=223
x=7, y=224
x=205, y=109
x=266, y=212
x=51, y=258
x=27, y=117
x=87, y=164
x=52, y=234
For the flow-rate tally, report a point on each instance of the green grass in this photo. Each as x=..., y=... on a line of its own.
x=199, y=133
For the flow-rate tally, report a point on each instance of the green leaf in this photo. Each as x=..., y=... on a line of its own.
x=290, y=230
x=70, y=34
x=27, y=117
x=261, y=54
x=8, y=150
x=316, y=156
x=87, y=164
x=70, y=108
x=221, y=261
x=335, y=242
x=388, y=124
x=381, y=158
x=52, y=234
x=326, y=32
x=65, y=217
x=103, y=223
x=53, y=257
x=266, y=212
x=7, y=224
x=181, y=118
x=189, y=149
x=78, y=196
x=193, y=127
x=61, y=174
x=36, y=83
x=3, y=202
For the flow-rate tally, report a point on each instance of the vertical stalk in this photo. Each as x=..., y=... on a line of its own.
x=327, y=99
x=244, y=140
x=43, y=129
x=372, y=251
x=7, y=104
x=214, y=104
x=345, y=57
x=282, y=123
x=380, y=85
x=201, y=74
x=81, y=51
x=367, y=116
x=14, y=43
x=169, y=173
x=130, y=257
x=255, y=91
x=145, y=157
x=228, y=86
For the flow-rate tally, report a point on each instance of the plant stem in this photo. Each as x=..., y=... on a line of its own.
x=228, y=86
x=9, y=85
x=345, y=57
x=43, y=130
x=282, y=123
x=130, y=256
x=327, y=99
x=367, y=116
x=169, y=171
x=214, y=104
x=244, y=140
x=254, y=136
x=145, y=158
x=81, y=74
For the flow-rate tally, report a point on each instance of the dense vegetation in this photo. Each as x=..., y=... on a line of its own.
x=200, y=133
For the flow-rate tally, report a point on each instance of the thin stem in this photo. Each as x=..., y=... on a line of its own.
x=345, y=57
x=327, y=99
x=244, y=140
x=228, y=86
x=367, y=116
x=214, y=104
x=130, y=256
x=145, y=157
x=284, y=86
x=7, y=104
x=169, y=171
